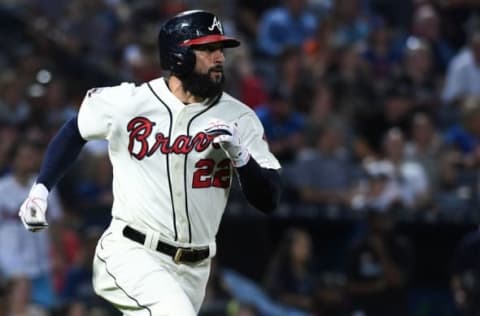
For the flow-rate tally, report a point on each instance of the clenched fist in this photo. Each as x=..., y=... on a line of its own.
x=227, y=136
x=33, y=210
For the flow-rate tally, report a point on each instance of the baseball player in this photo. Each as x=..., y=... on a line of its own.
x=174, y=144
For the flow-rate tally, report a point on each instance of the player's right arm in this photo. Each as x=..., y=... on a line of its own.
x=94, y=121
x=61, y=153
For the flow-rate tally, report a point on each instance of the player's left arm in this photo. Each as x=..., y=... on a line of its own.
x=261, y=186
x=256, y=166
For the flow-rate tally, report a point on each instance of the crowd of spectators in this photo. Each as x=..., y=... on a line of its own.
x=372, y=107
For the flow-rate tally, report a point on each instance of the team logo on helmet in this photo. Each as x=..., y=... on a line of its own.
x=216, y=24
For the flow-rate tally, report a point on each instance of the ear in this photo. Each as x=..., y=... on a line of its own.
x=182, y=60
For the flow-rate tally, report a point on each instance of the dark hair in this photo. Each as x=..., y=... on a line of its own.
x=282, y=258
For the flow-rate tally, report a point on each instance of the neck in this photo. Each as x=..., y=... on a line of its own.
x=176, y=87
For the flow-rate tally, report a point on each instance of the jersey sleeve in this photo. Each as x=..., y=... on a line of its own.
x=95, y=117
x=252, y=136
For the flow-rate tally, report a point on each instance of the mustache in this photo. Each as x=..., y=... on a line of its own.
x=217, y=68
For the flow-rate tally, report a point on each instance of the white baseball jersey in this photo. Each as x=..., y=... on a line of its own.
x=168, y=175
x=21, y=252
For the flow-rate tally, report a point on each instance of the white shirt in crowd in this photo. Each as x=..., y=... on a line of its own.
x=21, y=252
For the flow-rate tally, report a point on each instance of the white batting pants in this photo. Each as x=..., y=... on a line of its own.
x=143, y=282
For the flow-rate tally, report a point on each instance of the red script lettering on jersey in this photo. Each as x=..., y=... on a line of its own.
x=140, y=128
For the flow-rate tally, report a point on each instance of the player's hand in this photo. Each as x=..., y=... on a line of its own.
x=227, y=136
x=33, y=210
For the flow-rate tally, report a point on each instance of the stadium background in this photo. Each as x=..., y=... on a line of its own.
x=372, y=106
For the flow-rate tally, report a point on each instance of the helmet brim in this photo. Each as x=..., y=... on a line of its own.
x=227, y=42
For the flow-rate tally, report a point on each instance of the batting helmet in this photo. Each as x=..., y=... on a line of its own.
x=187, y=29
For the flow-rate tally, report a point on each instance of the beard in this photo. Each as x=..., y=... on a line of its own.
x=203, y=85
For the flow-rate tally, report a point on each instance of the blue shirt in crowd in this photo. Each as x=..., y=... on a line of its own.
x=275, y=129
x=278, y=29
x=457, y=136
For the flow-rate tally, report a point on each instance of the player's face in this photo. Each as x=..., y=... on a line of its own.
x=210, y=59
x=207, y=79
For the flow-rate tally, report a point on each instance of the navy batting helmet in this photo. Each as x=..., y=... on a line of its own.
x=187, y=29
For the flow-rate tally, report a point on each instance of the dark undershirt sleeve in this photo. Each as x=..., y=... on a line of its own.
x=61, y=153
x=262, y=187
